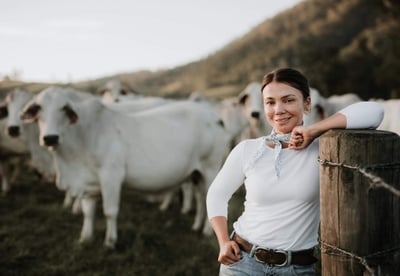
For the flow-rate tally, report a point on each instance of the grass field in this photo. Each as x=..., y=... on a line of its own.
x=39, y=237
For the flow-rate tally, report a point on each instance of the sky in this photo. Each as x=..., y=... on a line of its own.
x=76, y=40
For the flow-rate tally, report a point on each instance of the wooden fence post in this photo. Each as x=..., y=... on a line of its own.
x=360, y=223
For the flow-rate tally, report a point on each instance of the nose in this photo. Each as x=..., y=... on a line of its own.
x=116, y=100
x=255, y=114
x=279, y=108
x=13, y=131
x=50, y=140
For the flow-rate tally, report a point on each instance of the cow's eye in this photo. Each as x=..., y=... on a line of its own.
x=3, y=111
x=31, y=112
x=70, y=113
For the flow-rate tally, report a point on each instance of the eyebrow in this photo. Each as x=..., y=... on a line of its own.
x=285, y=96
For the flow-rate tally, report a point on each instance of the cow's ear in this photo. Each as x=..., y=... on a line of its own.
x=3, y=110
x=242, y=98
x=30, y=113
x=70, y=113
x=101, y=91
x=320, y=111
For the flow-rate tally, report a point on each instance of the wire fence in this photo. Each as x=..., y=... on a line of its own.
x=374, y=182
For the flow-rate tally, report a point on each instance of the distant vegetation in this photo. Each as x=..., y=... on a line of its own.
x=341, y=45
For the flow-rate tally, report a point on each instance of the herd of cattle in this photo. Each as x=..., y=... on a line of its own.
x=91, y=145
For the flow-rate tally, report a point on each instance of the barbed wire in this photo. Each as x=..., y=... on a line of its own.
x=375, y=181
x=327, y=248
x=332, y=250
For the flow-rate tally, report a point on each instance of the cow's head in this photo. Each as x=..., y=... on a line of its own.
x=53, y=112
x=317, y=111
x=114, y=91
x=251, y=101
x=15, y=101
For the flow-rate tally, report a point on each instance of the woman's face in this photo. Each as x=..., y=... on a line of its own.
x=284, y=106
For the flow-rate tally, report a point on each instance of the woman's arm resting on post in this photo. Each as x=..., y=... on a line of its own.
x=356, y=116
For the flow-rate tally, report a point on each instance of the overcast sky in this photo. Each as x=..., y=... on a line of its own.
x=72, y=40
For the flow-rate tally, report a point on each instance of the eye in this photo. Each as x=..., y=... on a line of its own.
x=3, y=111
x=123, y=92
x=70, y=113
x=289, y=100
x=31, y=113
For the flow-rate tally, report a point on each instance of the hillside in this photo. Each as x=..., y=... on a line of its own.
x=341, y=45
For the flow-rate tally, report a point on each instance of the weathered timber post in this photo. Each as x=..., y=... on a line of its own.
x=360, y=223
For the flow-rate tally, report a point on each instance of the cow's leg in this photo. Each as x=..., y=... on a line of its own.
x=111, y=182
x=167, y=199
x=209, y=176
x=67, y=200
x=77, y=206
x=89, y=210
x=199, y=194
x=16, y=172
x=187, y=197
x=5, y=183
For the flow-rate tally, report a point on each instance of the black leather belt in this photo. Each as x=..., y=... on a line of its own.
x=275, y=257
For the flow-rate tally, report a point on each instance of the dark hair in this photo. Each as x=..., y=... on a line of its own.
x=289, y=76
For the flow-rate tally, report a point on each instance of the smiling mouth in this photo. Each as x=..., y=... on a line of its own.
x=282, y=120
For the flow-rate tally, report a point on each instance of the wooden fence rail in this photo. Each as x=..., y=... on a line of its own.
x=360, y=203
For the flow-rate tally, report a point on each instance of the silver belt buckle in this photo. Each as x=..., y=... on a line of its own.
x=287, y=254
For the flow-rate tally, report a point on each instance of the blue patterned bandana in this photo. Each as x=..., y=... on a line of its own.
x=277, y=140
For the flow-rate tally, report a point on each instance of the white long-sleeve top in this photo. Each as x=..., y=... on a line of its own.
x=279, y=212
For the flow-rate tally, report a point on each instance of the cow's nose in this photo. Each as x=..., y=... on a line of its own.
x=13, y=131
x=50, y=140
x=255, y=114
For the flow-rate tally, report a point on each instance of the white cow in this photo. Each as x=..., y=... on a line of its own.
x=13, y=153
x=233, y=114
x=136, y=104
x=391, y=120
x=234, y=118
x=115, y=91
x=322, y=107
x=41, y=158
x=251, y=100
x=151, y=151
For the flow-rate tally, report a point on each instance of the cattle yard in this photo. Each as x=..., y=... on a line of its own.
x=40, y=237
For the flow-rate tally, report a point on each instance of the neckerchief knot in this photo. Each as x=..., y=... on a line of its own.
x=277, y=140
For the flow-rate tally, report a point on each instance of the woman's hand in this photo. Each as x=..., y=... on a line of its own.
x=302, y=136
x=229, y=253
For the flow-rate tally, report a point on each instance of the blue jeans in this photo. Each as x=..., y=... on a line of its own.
x=250, y=267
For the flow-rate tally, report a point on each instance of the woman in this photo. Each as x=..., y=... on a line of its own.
x=278, y=229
